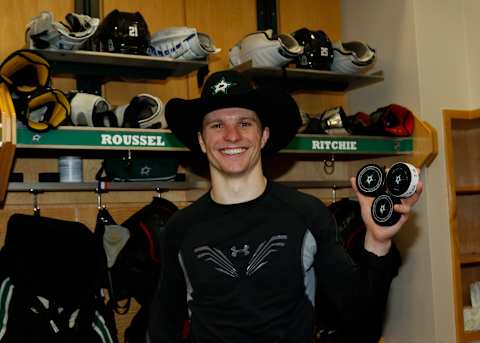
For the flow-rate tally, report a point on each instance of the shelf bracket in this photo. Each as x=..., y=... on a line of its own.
x=267, y=15
x=88, y=84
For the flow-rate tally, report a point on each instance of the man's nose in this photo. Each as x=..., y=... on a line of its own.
x=232, y=133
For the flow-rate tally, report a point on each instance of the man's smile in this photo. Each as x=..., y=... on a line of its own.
x=232, y=151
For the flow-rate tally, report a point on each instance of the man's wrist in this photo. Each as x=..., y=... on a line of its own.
x=379, y=248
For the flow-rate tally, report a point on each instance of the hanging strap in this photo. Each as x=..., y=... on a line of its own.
x=6, y=290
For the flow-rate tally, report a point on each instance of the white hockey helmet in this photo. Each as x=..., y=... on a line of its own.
x=143, y=111
x=181, y=42
x=352, y=57
x=265, y=49
x=44, y=33
x=92, y=110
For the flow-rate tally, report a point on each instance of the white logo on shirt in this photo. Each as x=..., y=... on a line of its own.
x=257, y=261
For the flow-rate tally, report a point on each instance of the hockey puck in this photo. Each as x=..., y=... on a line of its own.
x=382, y=210
x=402, y=179
x=371, y=180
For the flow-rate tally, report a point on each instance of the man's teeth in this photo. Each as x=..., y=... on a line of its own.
x=233, y=151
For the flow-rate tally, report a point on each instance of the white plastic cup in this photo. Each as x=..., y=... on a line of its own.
x=70, y=169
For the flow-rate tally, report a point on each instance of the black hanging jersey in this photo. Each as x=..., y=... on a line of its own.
x=247, y=272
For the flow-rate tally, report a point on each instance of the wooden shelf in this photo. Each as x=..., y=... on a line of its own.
x=295, y=78
x=468, y=189
x=470, y=259
x=107, y=66
x=470, y=336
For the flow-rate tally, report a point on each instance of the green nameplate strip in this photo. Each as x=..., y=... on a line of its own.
x=108, y=138
x=350, y=144
x=70, y=138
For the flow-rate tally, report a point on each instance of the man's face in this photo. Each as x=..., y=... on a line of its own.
x=233, y=138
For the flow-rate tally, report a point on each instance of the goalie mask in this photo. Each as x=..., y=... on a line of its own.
x=352, y=57
x=92, y=110
x=317, y=49
x=25, y=71
x=122, y=32
x=265, y=49
x=143, y=111
x=43, y=110
x=45, y=33
x=183, y=43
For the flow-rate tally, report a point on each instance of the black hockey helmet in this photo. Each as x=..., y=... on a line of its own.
x=123, y=32
x=317, y=49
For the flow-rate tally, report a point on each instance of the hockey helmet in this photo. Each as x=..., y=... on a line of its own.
x=122, y=32
x=317, y=49
x=265, y=49
x=25, y=71
x=92, y=110
x=143, y=111
x=45, y=33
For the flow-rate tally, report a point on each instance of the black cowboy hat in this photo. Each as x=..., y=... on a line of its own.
x=277, y=110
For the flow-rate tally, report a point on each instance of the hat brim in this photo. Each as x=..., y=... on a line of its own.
x=276, y=110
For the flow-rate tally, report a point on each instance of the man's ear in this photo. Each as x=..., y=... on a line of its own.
x=265, y=135
x=201, y=142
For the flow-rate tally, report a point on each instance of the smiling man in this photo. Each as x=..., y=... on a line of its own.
x=242, y=263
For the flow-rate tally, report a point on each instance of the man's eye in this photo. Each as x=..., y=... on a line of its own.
x=245, y=124
x=216, y=125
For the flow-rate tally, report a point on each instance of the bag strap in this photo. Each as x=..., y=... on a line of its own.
x=6, y=290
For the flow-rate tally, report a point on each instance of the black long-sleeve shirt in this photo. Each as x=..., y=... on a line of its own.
x=248, y=272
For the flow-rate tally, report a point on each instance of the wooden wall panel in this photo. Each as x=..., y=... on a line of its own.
x=158, y=14
x=313, y=14
x=16, y=16
x=226, y=22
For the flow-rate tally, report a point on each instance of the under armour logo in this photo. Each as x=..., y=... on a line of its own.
x=257, y=261
x=222, y=86
x=245, y=250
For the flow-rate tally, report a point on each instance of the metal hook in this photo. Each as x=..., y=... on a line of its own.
x=329, y=165
x=159, y=191
x=99, y=199
x=334, y=193
x=36, y=208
